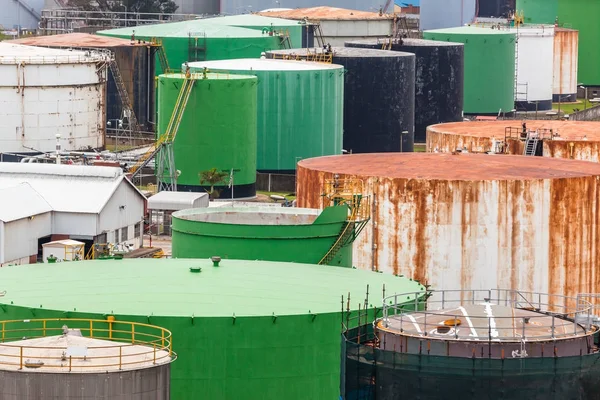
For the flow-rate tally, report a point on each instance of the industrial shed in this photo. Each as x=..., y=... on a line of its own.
x=163, y=204
x=40, y=203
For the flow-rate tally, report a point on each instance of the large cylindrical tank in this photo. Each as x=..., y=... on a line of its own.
x=44, y=92
x=566, y=47
x=535, y=64
x=200, y=40
x=489, y=67
x=218, y=130
x=439, y=79
x=379, y=109
x=65, y=359
x=272, y=234
x=574, y=140
x=538, y=11
x=300, y=108
x=136, y=67
x=495, y=8
x=251, y=330
x=439, y=14
x=473, y=220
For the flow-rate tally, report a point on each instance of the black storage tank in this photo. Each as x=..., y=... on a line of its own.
x=379, y=96
x=439, y=79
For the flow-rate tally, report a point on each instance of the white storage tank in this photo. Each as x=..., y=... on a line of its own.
x=534, y=67
x=566, y=43
x=440, y=14
x=44, y=92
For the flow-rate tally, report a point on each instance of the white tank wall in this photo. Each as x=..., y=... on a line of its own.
x=535, y=64
x=565, y=62
x=37, y=101
x=337, y=33
x=438, y=14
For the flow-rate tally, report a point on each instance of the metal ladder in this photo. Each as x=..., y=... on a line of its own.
x=318, y=34
x=346, y=236
x=123, y=95
x=284, y=36
x=196, y=46
x=162, y=56
x=530, y=145
x=166, y=167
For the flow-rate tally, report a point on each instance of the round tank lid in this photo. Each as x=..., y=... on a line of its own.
x=211, y=76
x=256, y=64
x=566, y=130
x=409, y=42
x=471, y=30
x=165, y=287
x=11, y=53
x=349, y=52
x=470, y=167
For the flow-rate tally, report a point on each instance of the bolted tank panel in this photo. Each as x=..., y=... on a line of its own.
x=473, y=220
x=200, y=40
x=218, y=130
x=575, y=140
x=439, y=14
x=300, y=108
x=566, y=45
x=44, y=92
x=489, y=69
x=378, y=108
x=439, y=80
x=273, y=320
x=279, y=234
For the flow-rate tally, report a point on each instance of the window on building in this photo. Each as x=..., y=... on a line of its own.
x=136, y=230
x=117, y=236
x=124, y=234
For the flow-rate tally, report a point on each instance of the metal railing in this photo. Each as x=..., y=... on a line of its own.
x=513, y=132
x=92, y=57
x=550, y=317
x=136, y=344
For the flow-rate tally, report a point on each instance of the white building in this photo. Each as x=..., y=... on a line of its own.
x=40, y=203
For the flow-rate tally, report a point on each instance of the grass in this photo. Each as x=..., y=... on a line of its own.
x=419, y=148
x=568, y=108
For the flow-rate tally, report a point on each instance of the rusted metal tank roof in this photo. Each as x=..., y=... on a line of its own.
x=327, y=13
x=451, y=167
x=75, y=40
x=567, y=130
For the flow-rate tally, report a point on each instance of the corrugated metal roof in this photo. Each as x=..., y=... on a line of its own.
x=327, y=13
x=65, y=242
x=67, y=188
x=175, y=201
x=21, y=201
x=74, y=40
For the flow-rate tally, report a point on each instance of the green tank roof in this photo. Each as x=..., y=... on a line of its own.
x=167, y=287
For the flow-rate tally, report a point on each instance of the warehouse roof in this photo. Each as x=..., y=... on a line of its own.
x=174, y=201
x=21, y=201
x=257, y=64
x=67, y=188
x=183, y=29
x=324, y=13
x=74, y=40
x=167, y=287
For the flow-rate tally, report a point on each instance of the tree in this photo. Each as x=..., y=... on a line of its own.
x=135, y=6
x=212, y=177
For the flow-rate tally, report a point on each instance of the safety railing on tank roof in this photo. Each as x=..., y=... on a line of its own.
x=551, y=317
x=149, y=344
x=55, y=59
x=512, y=132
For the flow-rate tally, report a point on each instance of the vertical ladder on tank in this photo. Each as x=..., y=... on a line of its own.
x=125, y=102
x=285, y=43
x=531, y=144
x=197, y=46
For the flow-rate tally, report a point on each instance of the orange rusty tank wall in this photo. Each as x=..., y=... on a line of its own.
x=533, y=233
x=449, y=142
x=566, y=42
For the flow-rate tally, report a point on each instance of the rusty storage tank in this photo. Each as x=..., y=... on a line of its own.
x=439, y=79
x=566, y=51
x=56, y=358
x=135, y=61
x=481, y=343
x=473, y=220
x=379, y=108
x=576, y=140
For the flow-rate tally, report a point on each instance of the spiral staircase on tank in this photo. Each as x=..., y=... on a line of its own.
x=348, y=192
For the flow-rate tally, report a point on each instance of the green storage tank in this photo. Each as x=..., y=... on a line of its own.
x=273, y=234
x=217, y=130
x=241, y=329
x=300, y=108
x=581, y=15
x=295, y=30
x=489, y=67
x=199, y=40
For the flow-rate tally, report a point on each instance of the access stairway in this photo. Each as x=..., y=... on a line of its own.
x=123, y=95
x=531, y=143
x=348, y=192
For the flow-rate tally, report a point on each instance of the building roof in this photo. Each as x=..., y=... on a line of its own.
x=166, y=287
x=74, y=40
x=324, y=13
x=183, y=29
x=174, y=201
x=65, y=242
x=66, y=188
x=21, y=201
